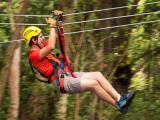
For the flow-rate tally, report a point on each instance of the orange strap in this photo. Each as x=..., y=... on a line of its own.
x=53, y=58
x=62, y=85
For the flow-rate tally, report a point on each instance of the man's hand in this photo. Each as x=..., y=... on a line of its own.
x=51, y=21
x=57, y=13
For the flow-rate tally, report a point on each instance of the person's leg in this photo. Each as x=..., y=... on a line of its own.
x=94, y=86
x=122, y=102
x=103, y=82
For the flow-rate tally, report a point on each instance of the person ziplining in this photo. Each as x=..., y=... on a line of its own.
x=57, y=70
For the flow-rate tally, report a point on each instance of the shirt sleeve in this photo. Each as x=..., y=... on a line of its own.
x=34, y=55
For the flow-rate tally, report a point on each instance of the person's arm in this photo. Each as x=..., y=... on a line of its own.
x=52, y=39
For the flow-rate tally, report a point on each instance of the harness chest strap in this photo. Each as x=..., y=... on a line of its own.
x=59, y=82
x=61, y=85
x=32, y=68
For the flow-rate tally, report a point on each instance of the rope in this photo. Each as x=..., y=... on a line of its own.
x=12, y=41
x=113, y=8
x=105, y=28
x=110, y=18
x=87, y=21
x=19, y=24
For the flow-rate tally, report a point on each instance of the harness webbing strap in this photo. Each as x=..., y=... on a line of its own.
x=62, y=48
x=54, y=72
x=48, y=81
x=57, y=81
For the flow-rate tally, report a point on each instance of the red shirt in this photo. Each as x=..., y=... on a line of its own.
x=42, y=65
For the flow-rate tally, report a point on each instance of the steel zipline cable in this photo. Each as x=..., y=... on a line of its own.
x=105, y=28
x=78, y=13
x=97, y=29
x=86, y=21
x=114, y=8
x=110, y=18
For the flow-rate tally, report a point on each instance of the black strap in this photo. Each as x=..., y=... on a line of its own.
x=57, y=81
x=48, y=81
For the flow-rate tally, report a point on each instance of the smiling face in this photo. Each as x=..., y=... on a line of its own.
x=38, y=40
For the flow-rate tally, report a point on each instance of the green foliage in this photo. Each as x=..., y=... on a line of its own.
x=87, y=49
x=139, y=81
x=4, y=107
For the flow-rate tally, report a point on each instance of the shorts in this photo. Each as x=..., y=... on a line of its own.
x=73, y=85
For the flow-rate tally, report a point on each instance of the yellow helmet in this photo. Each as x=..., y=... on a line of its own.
x=30, y=32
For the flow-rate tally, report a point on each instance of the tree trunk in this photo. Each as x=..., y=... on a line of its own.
x=62, y=107
x=11, y=69
x=113, y=40
x=93, y=110
x=13, y=82
x=77, y=107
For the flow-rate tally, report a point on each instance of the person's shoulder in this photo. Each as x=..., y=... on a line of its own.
x=32, y=50
x=34, y=54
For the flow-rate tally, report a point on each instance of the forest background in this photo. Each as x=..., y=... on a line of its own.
x=126, y=53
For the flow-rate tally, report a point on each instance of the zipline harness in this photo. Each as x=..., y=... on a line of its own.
x=57, y=63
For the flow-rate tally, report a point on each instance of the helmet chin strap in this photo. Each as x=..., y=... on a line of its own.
x=38, y=45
